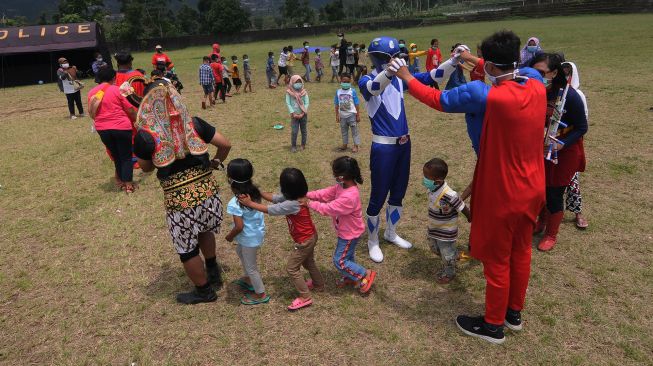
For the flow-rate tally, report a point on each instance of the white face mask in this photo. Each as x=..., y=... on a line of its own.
x=65, y=66
x=99, y=59
x=493, y=79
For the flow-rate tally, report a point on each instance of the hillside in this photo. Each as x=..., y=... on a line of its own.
x=34, y=8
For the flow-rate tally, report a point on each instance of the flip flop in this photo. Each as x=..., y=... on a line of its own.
x=244, y=285
x=581, y=223
x=248, y=300
x=366, y=284
x=299, y=303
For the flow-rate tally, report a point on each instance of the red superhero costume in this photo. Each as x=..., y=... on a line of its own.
x=508, y=190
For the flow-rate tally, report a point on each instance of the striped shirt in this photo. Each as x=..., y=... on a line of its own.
x=206, y=75
x=444, y=206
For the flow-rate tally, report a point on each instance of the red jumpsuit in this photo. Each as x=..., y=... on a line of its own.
x=508, y=190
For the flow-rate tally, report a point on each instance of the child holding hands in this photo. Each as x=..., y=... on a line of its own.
x=302, y=230
x=342, y=202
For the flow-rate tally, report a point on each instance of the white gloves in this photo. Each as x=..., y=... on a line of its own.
x=394, y=66
x=455, y=58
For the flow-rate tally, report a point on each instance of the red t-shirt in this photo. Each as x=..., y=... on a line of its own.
x=217, y=68
x=433, y=59
x=122, y=76
x=301, y=225
x=112, y=114
x=162, y=57
x=478, y=72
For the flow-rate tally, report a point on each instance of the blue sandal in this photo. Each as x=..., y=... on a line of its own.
x=249, y=300
x=244, y=285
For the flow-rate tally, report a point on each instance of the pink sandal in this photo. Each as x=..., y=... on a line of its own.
x=299, y=303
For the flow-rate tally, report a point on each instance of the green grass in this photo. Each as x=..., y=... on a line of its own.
x=88, y=275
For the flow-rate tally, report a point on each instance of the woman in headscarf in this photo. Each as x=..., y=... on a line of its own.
x=297, y=102
x=528, y=52
x=67, y=75
x=169, y=140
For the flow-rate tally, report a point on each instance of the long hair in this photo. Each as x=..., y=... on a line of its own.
x=347, y=167
x=293, y=184
x=240, y=172
x=554, y=62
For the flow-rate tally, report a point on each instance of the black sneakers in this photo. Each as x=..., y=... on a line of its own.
x=197, y=296
x=215, y=277
x=477, y=327
x=513, y=320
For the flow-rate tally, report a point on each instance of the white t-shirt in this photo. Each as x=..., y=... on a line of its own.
x=68, y=87
x=335, y=60
x=346, y=100
x=283, y=58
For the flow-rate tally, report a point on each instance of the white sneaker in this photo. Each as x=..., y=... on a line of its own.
x=397, y=240
x=73, y=117
x=375, y=251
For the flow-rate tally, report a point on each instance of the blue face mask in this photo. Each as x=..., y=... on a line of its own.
x=297, y=86
x=531, y=49
x=345, y=85
x=402, y=45
x=431, y=185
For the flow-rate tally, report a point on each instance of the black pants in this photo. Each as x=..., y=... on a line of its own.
x=555, y=199
x=219, y=91
x=227, y=84
x=75, y=98
x=119, y=143
x=341, y=66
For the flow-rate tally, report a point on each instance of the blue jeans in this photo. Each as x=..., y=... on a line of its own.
x=343, y=259
x=307, y=75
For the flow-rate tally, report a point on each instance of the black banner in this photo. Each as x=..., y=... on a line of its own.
x=44, y=38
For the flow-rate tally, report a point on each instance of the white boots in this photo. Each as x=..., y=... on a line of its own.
x=392, y=215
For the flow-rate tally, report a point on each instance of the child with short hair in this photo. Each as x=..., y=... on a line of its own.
x=247, y=70
x=283, y=67
x=347, y=116
x=225, y=76
x=444, y=206
x=297, y=102
x=342, y=203
x=351, y=58
x=218, y=69
x=248, y=231
x=306, y=61
x=335, y=63
x=235, y=74
x=291, y=61
x=269, y=70
x=206, y=81
x=319, y=66
x=302, y=230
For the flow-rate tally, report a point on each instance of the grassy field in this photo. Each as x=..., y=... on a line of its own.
x=88, y=275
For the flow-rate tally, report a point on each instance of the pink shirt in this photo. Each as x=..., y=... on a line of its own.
x=344, y=207
x=112, y=114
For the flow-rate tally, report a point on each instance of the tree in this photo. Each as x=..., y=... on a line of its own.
x=79, y=11
x=187, y=20
x=144, y=19
x=297, y=12
x=43, y=19
x=333, y=11
x=226, y=16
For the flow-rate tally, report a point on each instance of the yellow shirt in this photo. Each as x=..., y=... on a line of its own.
x=234, y=71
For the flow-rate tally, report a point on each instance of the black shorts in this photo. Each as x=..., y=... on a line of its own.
x=283, y=70
x=237, y=81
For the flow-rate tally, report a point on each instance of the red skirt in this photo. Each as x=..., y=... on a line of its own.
x=571, y=159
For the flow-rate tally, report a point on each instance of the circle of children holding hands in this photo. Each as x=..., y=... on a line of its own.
x=515, y=192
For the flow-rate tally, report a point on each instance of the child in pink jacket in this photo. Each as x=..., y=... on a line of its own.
x=342, y=202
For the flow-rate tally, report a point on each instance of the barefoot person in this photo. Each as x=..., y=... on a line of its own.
x=508, y=189
x=191, y=195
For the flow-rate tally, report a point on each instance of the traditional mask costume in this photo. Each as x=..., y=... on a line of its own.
x=509, y=187
x=177, y=146
x=390, y=151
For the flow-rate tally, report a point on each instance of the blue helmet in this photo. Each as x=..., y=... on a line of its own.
x=381, y=50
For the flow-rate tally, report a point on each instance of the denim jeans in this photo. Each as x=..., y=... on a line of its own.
x=307, y=75
x=296, y=125
x=345, y=124
x=446, y=249
x=344, y=260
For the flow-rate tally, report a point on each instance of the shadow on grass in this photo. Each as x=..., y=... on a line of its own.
x=170, y=281
x=110, y=185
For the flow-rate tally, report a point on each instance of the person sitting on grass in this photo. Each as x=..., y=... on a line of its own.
x=302, y=231
x=248, y=230
x=342, y=203
x=347, y=114
x=444, y=206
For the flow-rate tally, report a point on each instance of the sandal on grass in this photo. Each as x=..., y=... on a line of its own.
x=366, y=283
x=244, y=285
x=299, y=303
x=249, y=300
x=581, y=222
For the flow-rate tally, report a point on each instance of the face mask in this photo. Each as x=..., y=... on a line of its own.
x=245, y=60
x=235, y=61
x=99, y=59
x=493, y=79
x=414, y=49
x=434, y=47
x=305, y=47
x=402, y=45
x=65, y=66
x=531, y=49
x=345, y=85
x=297, y=86
x=547, y=82
x=430, y=184
x=340, y=37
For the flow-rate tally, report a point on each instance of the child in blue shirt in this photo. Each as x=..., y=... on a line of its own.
x=248, y=231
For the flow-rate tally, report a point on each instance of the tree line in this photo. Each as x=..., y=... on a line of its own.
x=143, y=19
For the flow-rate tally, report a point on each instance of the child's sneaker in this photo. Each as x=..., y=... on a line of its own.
x=299, y=303
x=477, y=327
x=513, y=320
x=367, y=282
